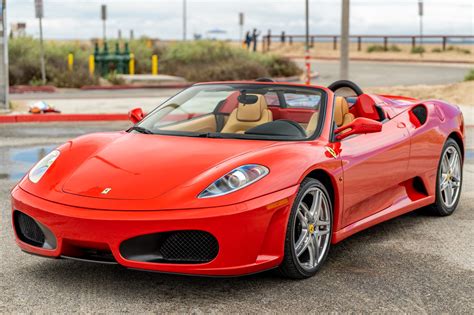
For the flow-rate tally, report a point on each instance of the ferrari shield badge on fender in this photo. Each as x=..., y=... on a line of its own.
x=332, y=152
x=106, y=191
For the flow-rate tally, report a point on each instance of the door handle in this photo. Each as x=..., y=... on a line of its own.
x=401, y=125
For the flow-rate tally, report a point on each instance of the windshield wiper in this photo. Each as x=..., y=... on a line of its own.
x=142, y=130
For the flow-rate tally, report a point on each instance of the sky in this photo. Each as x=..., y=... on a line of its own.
x=80, y=19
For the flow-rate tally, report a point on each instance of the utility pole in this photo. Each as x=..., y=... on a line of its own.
x=306, y=45
x=344, y=68
x=103, y=11
x=184, y=20
x=420, y=13
x=4, y=85
x=241, y=25
x=39, y=16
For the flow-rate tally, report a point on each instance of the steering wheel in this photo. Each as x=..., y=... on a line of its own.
x=345, y=87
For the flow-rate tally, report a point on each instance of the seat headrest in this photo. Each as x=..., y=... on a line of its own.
x=252, y=112
x=340, y=110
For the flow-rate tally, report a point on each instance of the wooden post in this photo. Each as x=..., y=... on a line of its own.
x=359, y=43
x=269, y=40
x=131, y=65
x=445, y=39
x=413, y=42
x=291, y=40
x=334, y=43
x=312, y=41
x=385, y=43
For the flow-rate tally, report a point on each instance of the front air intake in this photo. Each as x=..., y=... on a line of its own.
x=31, y=232
x=179, y=247
x=28, y=230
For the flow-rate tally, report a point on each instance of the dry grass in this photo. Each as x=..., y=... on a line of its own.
x=325, y=50
x=461, y=93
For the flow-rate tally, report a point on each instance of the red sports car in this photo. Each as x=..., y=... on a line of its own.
x=233, y=178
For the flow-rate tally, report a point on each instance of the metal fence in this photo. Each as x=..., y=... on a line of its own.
x=442, y=40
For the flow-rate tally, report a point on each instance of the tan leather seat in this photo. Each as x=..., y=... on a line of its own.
x=312, y=124
x=342, y=116
x=247, y=116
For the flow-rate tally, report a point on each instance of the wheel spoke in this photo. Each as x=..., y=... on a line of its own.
x=316, y=250
x=444, y=185
x=453, y=162
x=316, y=205
x=302, y=218
x=445, y=164
x=322, y=232
x=303, y=244
x=322, y=223
x=449, y=195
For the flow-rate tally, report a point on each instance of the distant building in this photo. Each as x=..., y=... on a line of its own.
x=18, y=30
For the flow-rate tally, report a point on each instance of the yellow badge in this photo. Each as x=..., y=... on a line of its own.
x=332, y=152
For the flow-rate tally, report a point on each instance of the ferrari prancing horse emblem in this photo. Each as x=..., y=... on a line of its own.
x=332, y=152
x=106, y=191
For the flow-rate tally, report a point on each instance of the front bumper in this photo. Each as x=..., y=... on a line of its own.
x=250, y=235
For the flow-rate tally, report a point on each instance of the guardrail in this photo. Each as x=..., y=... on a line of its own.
x=443, y=40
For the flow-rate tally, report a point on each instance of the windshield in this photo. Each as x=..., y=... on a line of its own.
x=248, y=111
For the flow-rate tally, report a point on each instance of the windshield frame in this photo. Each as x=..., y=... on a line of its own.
x=217, y=135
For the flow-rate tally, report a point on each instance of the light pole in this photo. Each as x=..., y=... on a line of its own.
x=103, y=10
x=306, y=45
x=184, y=19
x=39, y=16
x=3, y=57
x=241, y=25
x=344, y=69
x=420, y=13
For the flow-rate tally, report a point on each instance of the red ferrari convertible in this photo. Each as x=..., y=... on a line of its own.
x=233, y=178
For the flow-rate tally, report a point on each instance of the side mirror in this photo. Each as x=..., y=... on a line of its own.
x=358, y=126
x=135, y=115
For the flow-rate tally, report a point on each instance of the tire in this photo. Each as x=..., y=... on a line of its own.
x=311, y=202
x=444, y=205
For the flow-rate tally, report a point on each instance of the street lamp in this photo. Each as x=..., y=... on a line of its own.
x=344, y=69
x=306, y=45
x=420, y=13
x=184, y=20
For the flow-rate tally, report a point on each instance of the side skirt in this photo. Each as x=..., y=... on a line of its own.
x=402, y=206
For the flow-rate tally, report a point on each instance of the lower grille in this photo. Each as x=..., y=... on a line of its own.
x=28, y=230
x=185, y=247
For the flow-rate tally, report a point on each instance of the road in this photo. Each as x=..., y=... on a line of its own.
x=413, y=264
x=369, y=74
x=366, y=74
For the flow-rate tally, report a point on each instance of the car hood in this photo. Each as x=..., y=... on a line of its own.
x=137, y=166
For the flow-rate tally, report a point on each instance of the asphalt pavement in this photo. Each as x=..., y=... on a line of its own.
x=416, y=263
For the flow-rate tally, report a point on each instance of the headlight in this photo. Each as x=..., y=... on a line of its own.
x=236, y=179
x=42, y=166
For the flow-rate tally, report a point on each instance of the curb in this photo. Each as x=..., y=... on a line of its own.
x=135, y=86
x=29, y=118
x=19, y=89
x=384, y=60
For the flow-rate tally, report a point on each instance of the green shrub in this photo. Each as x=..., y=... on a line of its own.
x=394, y=48
x=469, y=76
x=214, y=60
x=195, y=61
x=25, y=68
x=436, y=50
x=375, y=48
x=418, y=50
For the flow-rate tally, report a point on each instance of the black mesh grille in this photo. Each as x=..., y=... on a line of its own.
x=189, y=246
x=179, y=247
x=28, y=230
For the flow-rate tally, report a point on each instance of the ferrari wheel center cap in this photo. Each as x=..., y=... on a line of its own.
x=311, y=228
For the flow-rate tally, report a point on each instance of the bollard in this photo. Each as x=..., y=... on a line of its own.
x=70, y=62
x=154, y=65
x=91, y=65
x=131, y=65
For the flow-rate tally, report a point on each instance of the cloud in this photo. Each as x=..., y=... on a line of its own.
x=67, y=19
